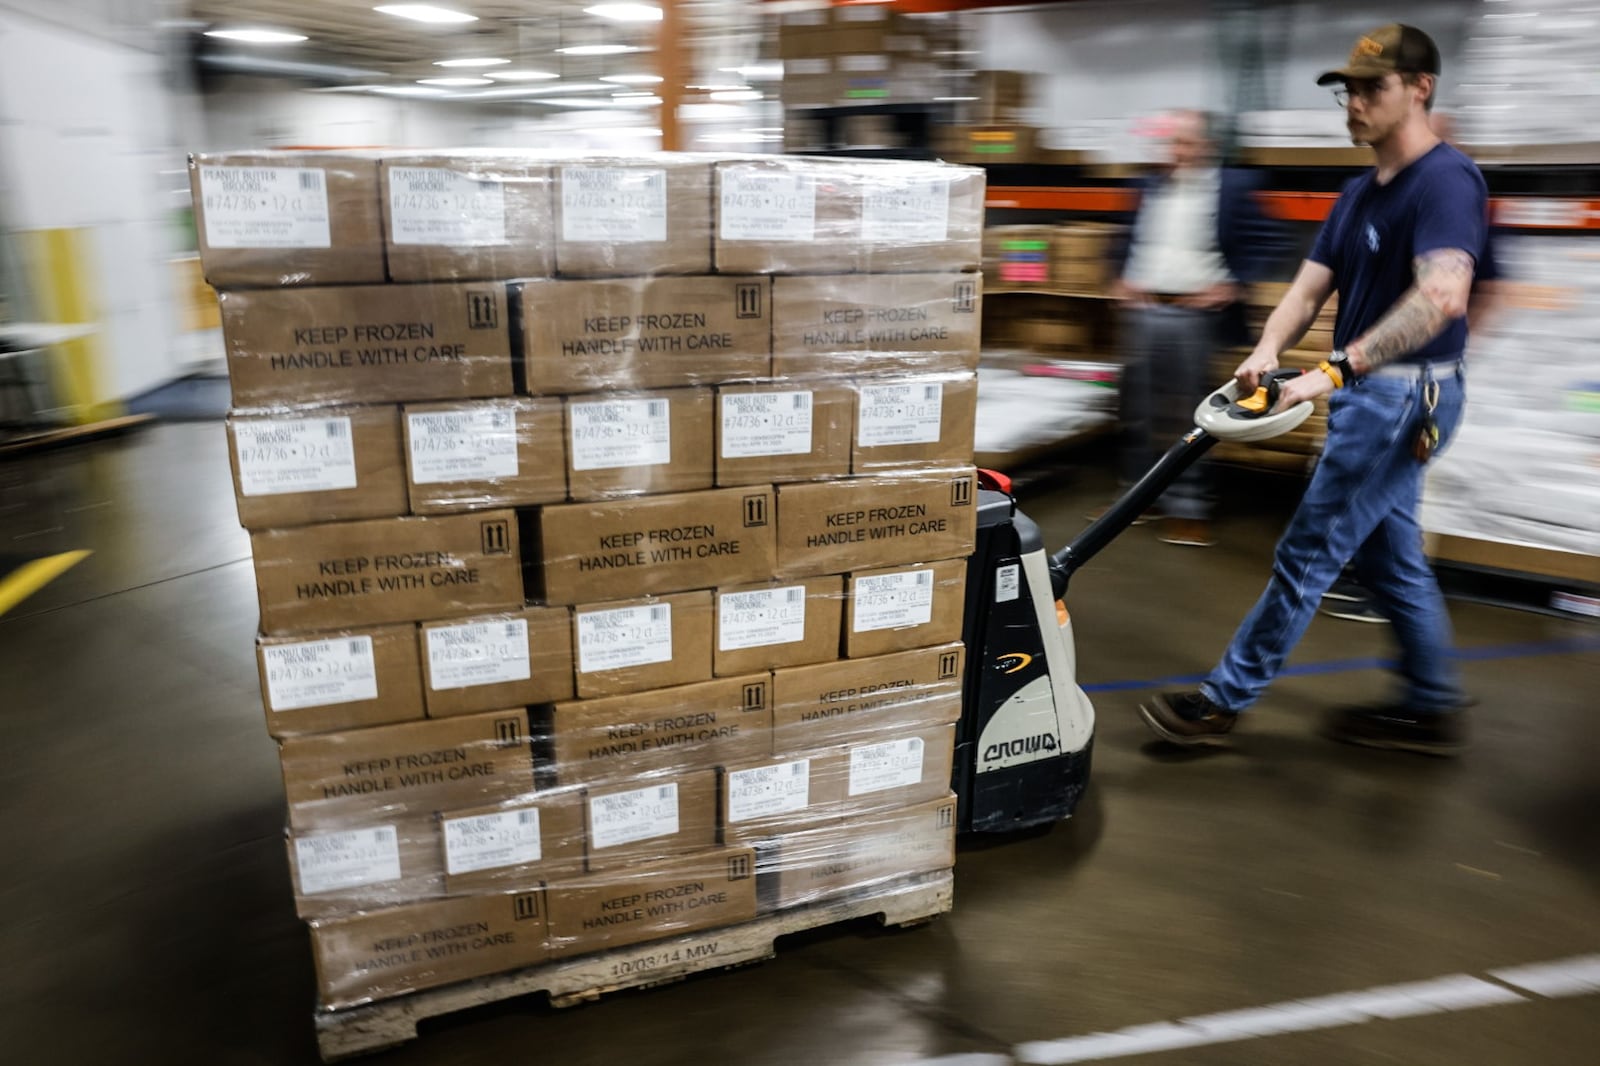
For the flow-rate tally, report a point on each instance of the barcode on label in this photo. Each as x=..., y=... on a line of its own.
x=513, y=631
x=795, y=595
x=499, y=419
x=486, y=186
x=656, y=182
x=930, y=392
x=925, y=577
x=336, y=428
x=384, y=835
x=798, y=768
x=657, y=408
x=358, y=647
x=664, y=792
x=661, y=614
x=527, y=817
x=311, y=180
x=802, y=400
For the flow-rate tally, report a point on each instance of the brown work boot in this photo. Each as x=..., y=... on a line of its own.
x=1187, y=719
x=1400, y=728
x=1191, y=532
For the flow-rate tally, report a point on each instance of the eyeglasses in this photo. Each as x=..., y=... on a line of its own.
x=1366, y=88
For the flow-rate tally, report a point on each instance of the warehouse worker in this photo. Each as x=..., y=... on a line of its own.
x=1197, y=239
x=1400, y=247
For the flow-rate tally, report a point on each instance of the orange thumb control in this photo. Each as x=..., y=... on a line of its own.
x=1257, y=403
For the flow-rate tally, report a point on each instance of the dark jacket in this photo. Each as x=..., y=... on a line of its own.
x=1251, y=243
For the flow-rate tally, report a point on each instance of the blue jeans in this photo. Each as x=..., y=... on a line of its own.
x=1361, y=505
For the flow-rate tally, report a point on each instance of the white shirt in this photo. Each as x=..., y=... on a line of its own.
x=1175, y=239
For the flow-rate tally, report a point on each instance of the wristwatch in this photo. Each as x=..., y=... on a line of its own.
x=1341, y=362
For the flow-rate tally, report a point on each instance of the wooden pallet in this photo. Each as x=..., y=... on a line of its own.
x=360, y=1030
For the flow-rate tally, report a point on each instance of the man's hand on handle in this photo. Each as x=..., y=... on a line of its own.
x=1307, y=386
x=1248, y=375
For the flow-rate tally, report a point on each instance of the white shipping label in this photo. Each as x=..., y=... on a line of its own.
x=766, y=423
x=350, y=858
x=899, y=414
x=265, y=207
x=478, y=653
x=807, y=67
x=1007, y=583
x=908, y=211
x=618, y=206
x=624, y=636
x=430, y=205
x=320, y=672
x=294, y=455
x=893, y=601
x=615, y=433
x=471, y=445
x=893, y=764
x=766, y=791
x=626, y=817
x=766, y=205
x=761, y=618
x=491, y=841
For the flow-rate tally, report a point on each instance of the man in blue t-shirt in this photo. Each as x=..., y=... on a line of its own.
x=1400, y=247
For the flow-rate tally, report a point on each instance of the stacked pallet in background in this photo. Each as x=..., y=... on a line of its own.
x=610, y=519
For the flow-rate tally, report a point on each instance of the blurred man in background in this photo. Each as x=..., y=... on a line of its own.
x=1198, y=239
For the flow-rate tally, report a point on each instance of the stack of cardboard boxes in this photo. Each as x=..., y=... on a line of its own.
x=610, y=520
x=865, y=54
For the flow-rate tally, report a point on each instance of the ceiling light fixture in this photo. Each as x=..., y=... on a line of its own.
x=480, y=61
x=736, y=96
x=454, y=82
x=596, y=49
x=425, y=13
x=625, y=12
x=757, y=71
x=404, y=90
x=257, y=36
x=521, y=75
x=632, y=79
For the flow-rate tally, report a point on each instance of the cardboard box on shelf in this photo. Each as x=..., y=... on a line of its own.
x=471, y=455
x=289, y=347
x=631, y=217
x=638, y=645
x=775, y=624
x=644, y=333
x=653, y=544
x=904, y=607
x=377, y=861
x=505, y=660
x=650, y=901
x=385, y=953
x=866, y=522
x=414, y=768
x=649, y=818
x=637, y=443
x=512, y=844
x=785, y=431
x=1004, y=96
x=286, y=218
x=387, y=570
x=896, y=770
x=698, y=726
x=323, y=682
x=291, y=468
x=763, y=796
x=829, y=703
x=467, y=217
x=990, y=143
x=909, y=423
x=858, y=325
x=814, y=864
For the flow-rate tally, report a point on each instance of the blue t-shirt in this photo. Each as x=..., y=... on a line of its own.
x=1375, y=231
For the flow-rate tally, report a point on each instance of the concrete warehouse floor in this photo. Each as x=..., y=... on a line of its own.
x=148, y=914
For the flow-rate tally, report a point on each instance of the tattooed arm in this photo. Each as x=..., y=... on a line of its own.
x=1439, y=297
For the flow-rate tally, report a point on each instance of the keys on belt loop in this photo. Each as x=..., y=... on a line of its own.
x=1428, y=434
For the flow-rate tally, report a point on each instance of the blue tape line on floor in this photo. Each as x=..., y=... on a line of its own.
x=1527, y=650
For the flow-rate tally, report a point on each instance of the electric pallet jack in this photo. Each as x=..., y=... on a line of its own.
x=1026, y=734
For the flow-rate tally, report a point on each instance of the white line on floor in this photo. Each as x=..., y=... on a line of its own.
x=1576, y=976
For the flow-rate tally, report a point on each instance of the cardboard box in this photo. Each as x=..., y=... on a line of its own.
x=851, y=326
x=633, y=217
x=908, y=423
x=649, y=818
x=637, y=443
x=382, y=861
x=479, y=216
x=286, y=218
x=477, y=454
x=333, y=780
x=897, y=770
x=904, y=607
x=504, y=660
x=387, y=570
x=831, y=702
x=786, y=431
x=637, y=645
x=764, y=796
x=345, y=680
x=644, y=333
x=819, y=863
x=296, y=467
x=865, y=522
x=771, y=625
x=373, y=956
x=366, y=344
x=921, y=217
x=704, y=891
x=697, y=726
x=512, y=844
x=653, y=544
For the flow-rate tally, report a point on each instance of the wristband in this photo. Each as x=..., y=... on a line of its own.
x=1333, y=373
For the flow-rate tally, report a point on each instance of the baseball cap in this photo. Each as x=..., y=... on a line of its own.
x=1386, y=50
